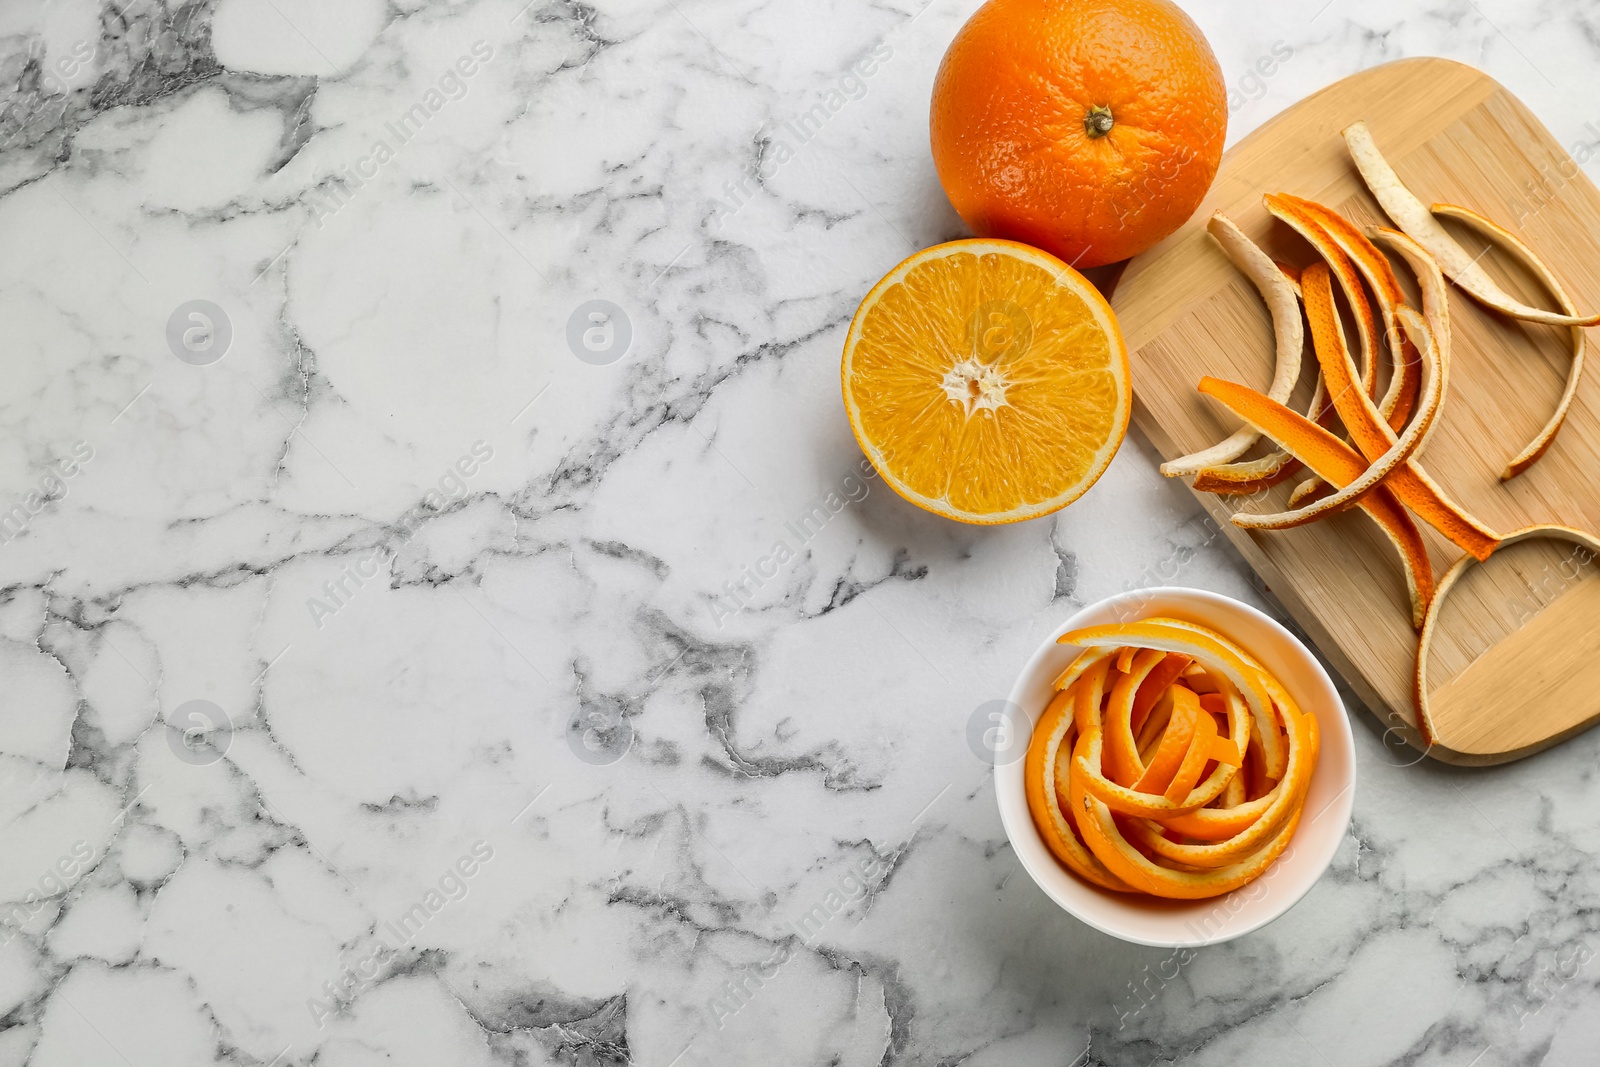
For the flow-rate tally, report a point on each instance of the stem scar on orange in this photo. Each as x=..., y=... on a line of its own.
x=986, y=381
x=1088, y=128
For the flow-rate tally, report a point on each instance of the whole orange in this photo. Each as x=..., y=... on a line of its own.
x=1088, y=128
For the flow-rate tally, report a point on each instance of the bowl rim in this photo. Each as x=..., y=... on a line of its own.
x=1332, y=717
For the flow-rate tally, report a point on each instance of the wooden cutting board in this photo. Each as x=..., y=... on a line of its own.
x=1516, y=664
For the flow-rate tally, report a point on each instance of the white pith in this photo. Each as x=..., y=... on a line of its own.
x=976, y=386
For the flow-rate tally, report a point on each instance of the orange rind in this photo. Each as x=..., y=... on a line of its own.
x=1430, y=625
x=1055, y=728
x=1418, y=222
x=1278, y=291
x=1339, y=264
x=1338, y=464
x=1353, y=403
x=1389, y=456
x=1188, y=827
x=1406, y=367
x=1523, y=254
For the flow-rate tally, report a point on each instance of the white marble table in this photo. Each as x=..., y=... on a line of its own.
x=389, y=679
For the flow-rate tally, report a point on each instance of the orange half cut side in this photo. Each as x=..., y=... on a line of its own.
x=987, y=381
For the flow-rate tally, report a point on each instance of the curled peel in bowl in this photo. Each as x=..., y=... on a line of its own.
x=1420, y=694
x=1177, y=831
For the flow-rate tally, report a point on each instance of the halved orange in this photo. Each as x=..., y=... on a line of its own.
x=987, y=381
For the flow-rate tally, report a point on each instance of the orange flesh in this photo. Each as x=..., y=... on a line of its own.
x=987, y=381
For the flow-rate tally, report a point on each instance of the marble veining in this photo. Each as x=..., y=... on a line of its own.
x=405, y=666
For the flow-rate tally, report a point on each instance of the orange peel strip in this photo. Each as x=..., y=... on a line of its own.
x=1338, y=464
x=1157, y=682
x=1086, y=659
x=1278, y=292
x=1336, y=261
x=1282, y=801
x=1220, y=656
x=1195, y=758
x=1419, y=693
x=1365, y=421
x=1105, y=839
x=1335, y=358
x=1406, y=380
x=1176, y=741
x=1244, y=479
x=1543, y=439
x=1418, y=222
x=1435, y=294
x=1054, y=729
x=1122, y=752
x=1308, y=490
x=1247, y=477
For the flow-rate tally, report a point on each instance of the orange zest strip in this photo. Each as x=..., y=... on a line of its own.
x=1338, y=464
x=1405, y=382
x=1307, y=491
x=1055, y=730
x=1168, y=671
x=1242, y=479
x=1246, y=477
x=1420, y=688
x=1088, y=658
x=1339, y=264
x=1279, y=294
x=1411, y=216
x=1543, y=439
x=1373, y=436
x=1354, y=404
x=1430, y=279
x=1122, y=753
x=1175, y=744
x=1086, y=705
x=1194, y=759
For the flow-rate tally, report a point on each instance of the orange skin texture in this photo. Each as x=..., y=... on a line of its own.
x=1007, y=124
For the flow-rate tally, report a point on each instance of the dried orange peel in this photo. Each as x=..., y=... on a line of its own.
x=1523, y=254
x=1378, y=469
x=1338, y=464
x=1188, y=828
x=1430, y=280
x=1420, y=686
x=1336, y=262
x=1388, y=454
x=1418, y=222
x=1349, y=398
x=1405, y=379
x=1278, y=291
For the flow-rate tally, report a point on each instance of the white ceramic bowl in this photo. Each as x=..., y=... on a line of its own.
x=1144, y=920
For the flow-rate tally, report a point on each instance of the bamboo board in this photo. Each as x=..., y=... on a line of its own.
x=1516, y=664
